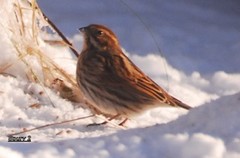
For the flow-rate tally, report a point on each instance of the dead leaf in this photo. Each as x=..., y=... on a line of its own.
x=35, y=106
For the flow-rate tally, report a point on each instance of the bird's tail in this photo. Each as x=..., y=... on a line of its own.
x=178, y=103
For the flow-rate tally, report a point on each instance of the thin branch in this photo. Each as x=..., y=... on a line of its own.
x=50, y=124
x=60, y=34
x=75, y=52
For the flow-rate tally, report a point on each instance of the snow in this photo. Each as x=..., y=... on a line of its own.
x=210, y=129
x=203, y=132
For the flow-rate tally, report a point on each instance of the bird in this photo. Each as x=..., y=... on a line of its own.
x=111, y=82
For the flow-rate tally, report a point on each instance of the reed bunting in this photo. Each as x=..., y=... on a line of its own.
x=111, y=82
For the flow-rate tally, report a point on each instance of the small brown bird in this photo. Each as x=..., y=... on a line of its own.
x=111, y=82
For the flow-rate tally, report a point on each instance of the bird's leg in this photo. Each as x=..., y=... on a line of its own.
x=111, y=118
x=105, y=122
x=123, y=122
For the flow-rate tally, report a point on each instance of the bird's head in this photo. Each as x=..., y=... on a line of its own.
x=99, y=36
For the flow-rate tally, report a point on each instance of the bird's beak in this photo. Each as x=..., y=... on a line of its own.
x=82, y=29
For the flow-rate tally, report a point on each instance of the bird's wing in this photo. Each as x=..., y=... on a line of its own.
x=145, y=85
x=126, y=80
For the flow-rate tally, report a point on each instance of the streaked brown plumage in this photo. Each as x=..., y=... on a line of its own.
x=111, y=82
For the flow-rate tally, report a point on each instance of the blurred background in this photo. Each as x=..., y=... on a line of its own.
x=193, y=35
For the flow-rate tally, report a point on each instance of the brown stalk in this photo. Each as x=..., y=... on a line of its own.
x=48, y=125
x=75, y=52
x=61, y=35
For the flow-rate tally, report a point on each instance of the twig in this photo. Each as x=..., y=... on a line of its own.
x=5, y=67
x=50, y=124
x=60, y=34
x=56, y=29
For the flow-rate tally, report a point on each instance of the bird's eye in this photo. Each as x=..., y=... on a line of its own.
x=99, y=33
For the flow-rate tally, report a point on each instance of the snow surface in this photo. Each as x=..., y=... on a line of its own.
x=210, y=130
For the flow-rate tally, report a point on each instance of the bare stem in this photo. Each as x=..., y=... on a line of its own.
x=60, y=34
x=50, y=124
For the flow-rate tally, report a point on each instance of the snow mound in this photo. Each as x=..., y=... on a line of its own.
x=211, y=130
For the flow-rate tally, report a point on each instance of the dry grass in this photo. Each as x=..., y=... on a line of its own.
x=28, y=23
